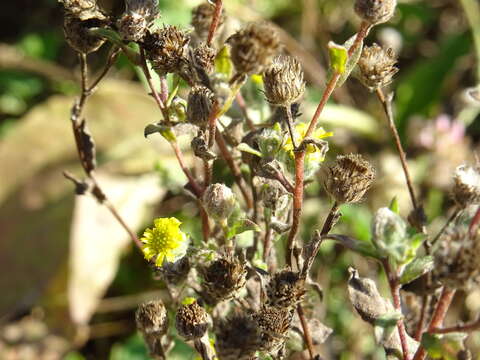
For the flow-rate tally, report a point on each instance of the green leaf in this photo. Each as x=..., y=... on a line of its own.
x=223, y=64
x=385, y=325
x=443, y=346
x=248, y=149
x=115, y=39
x=240, y=226
x=338, y=57
x=163, y=130
x=417, y=268
x=352, y=60
x=413, y=244
x=394, y=206
x=361, y=247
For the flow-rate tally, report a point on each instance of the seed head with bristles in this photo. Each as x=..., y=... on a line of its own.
x=286, y=289
x=137, y=18
x=78, y=36
x=376, y=67
x=199, y=105
x=274, y=324
x=253, y=48
x=191, y=320
x=82, y=9
x=348, y=178
x=204, y=57
x=375, y=11
x=466, y=186
x=283, y=81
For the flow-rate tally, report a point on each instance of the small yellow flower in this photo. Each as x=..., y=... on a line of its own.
x=313, y=154
x=165, y=241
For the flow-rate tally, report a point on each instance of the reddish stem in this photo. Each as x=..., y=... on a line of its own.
x=469, y=327
x=197, y=190
x=215, y=21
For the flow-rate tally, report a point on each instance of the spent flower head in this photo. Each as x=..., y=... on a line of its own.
x=165, y=241
x=202, y=17
x=375, y=11
x=376, y=67
x=139, y=15
x=466, y=186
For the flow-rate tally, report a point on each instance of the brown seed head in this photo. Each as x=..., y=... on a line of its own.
x=166, y=49
x=283, y=81
x=348, y=178
x=466, y=186
x=204, y=57
x=199, y=105
x=223, y=278
x=274, y=324
x=202, y=17
x=78, y=36
x=375, y=11
x=191, y=321
x=219, y=201
x=151, y=318
x=237, y=337
x=376, y=67
x=253, y=48
x=456, y=259
x=285, y=290
x=176, y=272
x=83, y=9
x=137, y=18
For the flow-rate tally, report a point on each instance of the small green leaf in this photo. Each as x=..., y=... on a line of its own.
x=115, y=39
x=352, y=59
x=338, y=57
x=394, y=206
x=163, y=130
x=248, y=149
x=240, y=226
x=361, y=247
x=443, y=346
x=417, y=268
x=385, y=325
x=223, y=64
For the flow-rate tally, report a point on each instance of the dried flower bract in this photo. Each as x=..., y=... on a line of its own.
x=375, y=11
x=137, y=18
x=376, y=67
x=466, y=186
x=191, y=321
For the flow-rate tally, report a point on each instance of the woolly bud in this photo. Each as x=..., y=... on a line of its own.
x=237, y=337
x=137, y=18
x=223, y=278
x=151, y=318
x=274, y=324
x=202, y=17
x=283, y=81
x=348, y=178
x=271, y=192
x=285, y=289
x=166, y=48
x=78, y=36
x=376, y=67
x=204, y=57
x=219, y=201
x=199, y=105
x=191, y=321
x=375, y=11
x=466, y=186
x=253, y=48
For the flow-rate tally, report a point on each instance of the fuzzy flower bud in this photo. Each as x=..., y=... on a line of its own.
x=219, y=201
x=152, y=321
x=165, y=241
x=137, y=18
x=466, y=186
x=238, y=337
x=271, y=192
x=375, y=11
x=348, y=178
x=253, y=48
x=166, y=48
x=191, y=320
x=223, y=278
x=283, y=81
x=202, y=17
x=285, y=289
x=389, y=233
x=199, y=105
x=376, y=67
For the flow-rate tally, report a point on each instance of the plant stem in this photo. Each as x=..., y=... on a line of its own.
x=288, y=110
x=306, y=332
x=215, y=21
x=330, y=221
x=437, y=318
x=468, y=327
x=423, y=317
x=387, y=107
x=445, y=226
x=197, y=190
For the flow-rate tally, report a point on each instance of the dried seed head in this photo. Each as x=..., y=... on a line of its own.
x=219, y=201
x=376, y=67
x=375, y=11
x=223, y=278
x=283, y=81
x=137, y=18
x=78, y=36
x=253, y=48
x=202, y=17
x=83, y=9
x=348, y=178
x=199, y=105
x=274, y=324
x=151, y=318
x=191, y=321
x=456, y=259
x=166, y=48
x=237, y=337
x=466, y=186
x=174, y=272
x=204, y=57
x=285, y=290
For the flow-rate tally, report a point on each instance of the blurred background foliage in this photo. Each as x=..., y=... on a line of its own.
x=438, y=61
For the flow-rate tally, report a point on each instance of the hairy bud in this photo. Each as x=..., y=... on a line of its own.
x=375, y=11
x=219, y=201
x=137, y=18
x=376, y=67
x=348, y=178
x=199, y=105
x=283, y=81
x=191, y=321
x=253, y=48
x=466, y=186
x=166, y=48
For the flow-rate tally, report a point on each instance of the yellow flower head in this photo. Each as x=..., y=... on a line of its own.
x=300, y=131
x=165, y=241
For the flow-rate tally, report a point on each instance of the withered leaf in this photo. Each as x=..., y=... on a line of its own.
x=85, y=146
